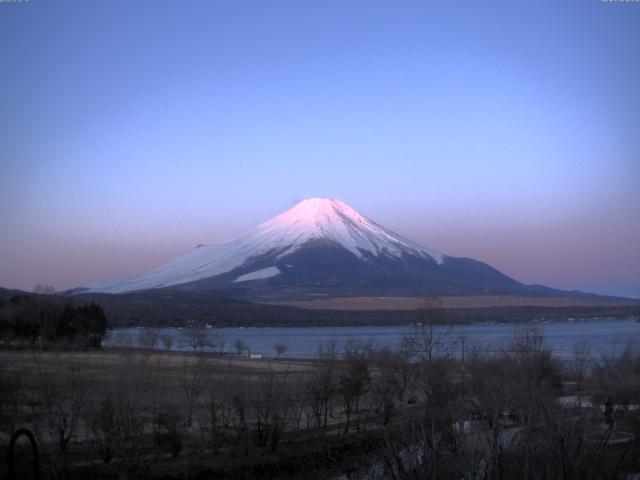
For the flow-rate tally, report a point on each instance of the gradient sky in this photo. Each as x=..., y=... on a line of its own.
x=506, y=131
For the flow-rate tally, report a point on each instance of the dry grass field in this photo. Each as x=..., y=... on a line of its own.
x=471, y=301
x=97, y=373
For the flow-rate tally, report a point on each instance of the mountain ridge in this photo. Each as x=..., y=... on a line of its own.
x=322, y=247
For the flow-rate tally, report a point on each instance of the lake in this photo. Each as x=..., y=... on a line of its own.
x=603, y=336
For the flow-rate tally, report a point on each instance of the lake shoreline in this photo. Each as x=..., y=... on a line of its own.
x=304, y=342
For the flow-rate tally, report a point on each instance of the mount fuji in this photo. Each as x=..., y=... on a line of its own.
x=321, y=247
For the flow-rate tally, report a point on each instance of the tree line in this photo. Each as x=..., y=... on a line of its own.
x=47, y=321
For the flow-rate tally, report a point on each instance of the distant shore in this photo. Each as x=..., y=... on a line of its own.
x=451, y=302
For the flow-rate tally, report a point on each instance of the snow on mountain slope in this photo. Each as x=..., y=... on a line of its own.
x=331, y=219
x=258, y=274
x=312, y=219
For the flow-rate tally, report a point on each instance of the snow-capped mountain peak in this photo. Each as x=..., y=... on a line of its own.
x=328, y=221
x=334, y=220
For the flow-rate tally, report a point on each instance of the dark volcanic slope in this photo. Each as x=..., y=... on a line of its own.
x=323, y=269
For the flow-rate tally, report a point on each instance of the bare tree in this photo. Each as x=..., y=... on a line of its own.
x=270, y=406
x=529, y=375
x=579, y=364
x=169, y=429
x=217, y=341
x=240, y=421
x=427, y=337
x=57, y=410
x=386, y=381
x=319, y=386
x=148, y=338
x=133, y=396
x=195, y=338
x=167, y=341
x=218, y=411
x=618, y=375
x=240, y=346
x=322, y=383
x=191, y=380
x=11, y=394
x=104, y=424
x=279, y=348
x=354, y=380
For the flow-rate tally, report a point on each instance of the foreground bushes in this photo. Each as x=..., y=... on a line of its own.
x=404, y=414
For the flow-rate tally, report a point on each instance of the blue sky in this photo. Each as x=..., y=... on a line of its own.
x=132, y=131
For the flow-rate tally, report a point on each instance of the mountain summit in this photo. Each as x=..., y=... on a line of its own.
x=334, y=221
x=320, y=247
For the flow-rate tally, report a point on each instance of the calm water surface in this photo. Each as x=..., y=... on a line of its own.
x=603, y=337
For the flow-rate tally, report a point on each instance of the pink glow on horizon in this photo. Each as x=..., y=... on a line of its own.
x=518, y=250
x=162, y=128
